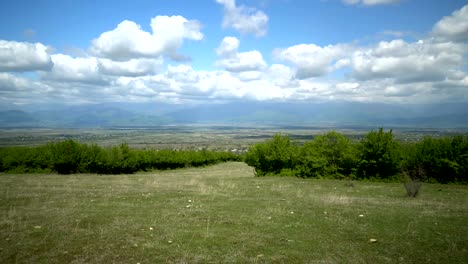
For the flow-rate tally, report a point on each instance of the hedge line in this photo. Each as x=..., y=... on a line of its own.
x=72, y=157
x=377, y=156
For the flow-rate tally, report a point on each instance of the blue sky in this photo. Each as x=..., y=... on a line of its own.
x=85, y=51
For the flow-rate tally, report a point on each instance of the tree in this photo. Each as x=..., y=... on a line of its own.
x=66, y=156
x=379, y=155
x=272, y=156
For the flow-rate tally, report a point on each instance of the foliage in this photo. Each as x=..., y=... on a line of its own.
x=69, y=156
x=379, y=155
x=272, y=156
x=445, y=159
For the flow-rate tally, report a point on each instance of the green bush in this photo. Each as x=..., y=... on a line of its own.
x=379, y=155
x=272, y=156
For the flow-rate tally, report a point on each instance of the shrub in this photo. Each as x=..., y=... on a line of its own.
x=379, y=155
x=272, y=156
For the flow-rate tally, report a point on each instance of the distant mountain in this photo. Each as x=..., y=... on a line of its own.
x=79, y=116
x=271, y=113
x=15, y=118
x=334, y=113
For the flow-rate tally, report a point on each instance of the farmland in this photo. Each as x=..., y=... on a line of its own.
x=216, y=137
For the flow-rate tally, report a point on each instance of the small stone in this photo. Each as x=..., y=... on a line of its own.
x=151, y=229
x=170, y=241
x=292, y=213
x=361, y=215
x=373, y=240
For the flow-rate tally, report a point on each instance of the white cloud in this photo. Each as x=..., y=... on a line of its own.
x=246, y=20
x=408, y=62
x=248, y=76
x=126, y=64
x=453, y=27
x=23, y=56
x=311, y=60
x=228, y=47
x=182, y=73
x=133, y=67
x=20, y=90
x=235, y=61
x=370, y=2
x=69, y=69
x=10, y=82
x=129, y=41
x=282, y=76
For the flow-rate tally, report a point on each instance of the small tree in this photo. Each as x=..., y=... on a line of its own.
x=338, y=152
x=379, y=155
x=66, y=156
x=271, y=156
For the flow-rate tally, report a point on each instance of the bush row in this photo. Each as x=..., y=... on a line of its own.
x=377, y=156
x=72, y=157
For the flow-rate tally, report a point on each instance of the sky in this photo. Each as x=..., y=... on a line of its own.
x=211, y=51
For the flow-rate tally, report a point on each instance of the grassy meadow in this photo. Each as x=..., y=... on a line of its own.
x=223, y=214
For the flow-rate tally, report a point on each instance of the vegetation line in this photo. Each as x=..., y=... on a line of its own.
x=69, y=156
x=377, y=156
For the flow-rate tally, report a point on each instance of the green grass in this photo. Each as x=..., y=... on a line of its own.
x=222, y=214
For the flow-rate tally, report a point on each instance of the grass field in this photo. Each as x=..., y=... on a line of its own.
x=222, y=214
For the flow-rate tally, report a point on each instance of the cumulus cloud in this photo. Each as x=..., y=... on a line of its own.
x=408, y=62
x=234, y=61
x=20, y=90
x=24, y=56
x=129, y=41
x=370, y=2
x=453, y=27
x=246, y=20
x=311, y=60
x=10, y=82
x=133, y=67
x=69, y=69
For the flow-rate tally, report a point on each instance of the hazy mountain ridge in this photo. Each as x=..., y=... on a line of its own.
x=115, y=114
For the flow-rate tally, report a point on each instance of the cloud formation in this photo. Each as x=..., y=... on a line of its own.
x=23, y=56
x=234, y=61
x=129, y=41
x=130, y=64
x=453, y=27
x=246, y=20
x=132, y=67
x=311, y=60
x=421, y=61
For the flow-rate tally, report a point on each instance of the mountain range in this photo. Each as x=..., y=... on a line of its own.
x=265, y=113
